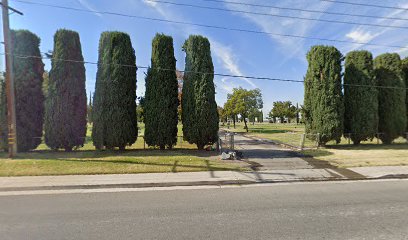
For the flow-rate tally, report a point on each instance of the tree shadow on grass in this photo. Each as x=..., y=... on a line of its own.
x=86, y=154
x=173, y=165
x=267, y=131
x=370, y=147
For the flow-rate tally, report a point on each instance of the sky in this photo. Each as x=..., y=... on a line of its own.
x=236, y=53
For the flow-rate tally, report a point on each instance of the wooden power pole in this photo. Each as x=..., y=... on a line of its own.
x=11, y=104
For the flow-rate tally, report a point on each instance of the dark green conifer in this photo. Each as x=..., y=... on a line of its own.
x=114, y=105
x=391, y=97
x=65, y=118
x=28, y=78
x=405, y=71
x=3, y=114
x=360, y=97
x=323, y=104
x=161, y=116
x=199, y=115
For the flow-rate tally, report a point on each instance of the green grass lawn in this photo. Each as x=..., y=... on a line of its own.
x=112, y=162
x=284, y=133
x=183, y=158
x=343, y=155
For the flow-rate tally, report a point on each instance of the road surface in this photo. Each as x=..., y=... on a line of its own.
x=346, y=210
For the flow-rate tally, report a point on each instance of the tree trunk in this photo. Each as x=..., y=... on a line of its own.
x=234, y=121
x=68, y=149
x=246, y=126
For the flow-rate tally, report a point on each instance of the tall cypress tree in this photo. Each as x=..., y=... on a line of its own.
x=323, y=104
x=199, y=115
x=65, y=118
x=28, y=78
x=361, y=103
x=161, y=116
x=114, y=105
x=392, y=96
x=405, y=71
x=3, y=114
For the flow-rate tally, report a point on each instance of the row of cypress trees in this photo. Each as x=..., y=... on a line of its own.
x=61, y=115
x=114, y=105
x=374, y=99
x=199, y=109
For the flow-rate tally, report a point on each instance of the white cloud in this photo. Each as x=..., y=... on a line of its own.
x=88, y=6
x=293, y=47
x=224, y=54
x=360, y=36
x=387, y=36
x=150, y=3
x=230, y=63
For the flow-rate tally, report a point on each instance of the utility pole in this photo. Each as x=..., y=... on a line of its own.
x=11, y=104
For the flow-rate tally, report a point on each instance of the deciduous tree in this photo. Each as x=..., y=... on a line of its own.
x=283, y=110
x=244, y=102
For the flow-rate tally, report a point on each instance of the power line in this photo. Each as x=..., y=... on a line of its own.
x=277, y=15
x=306, y=10
x=160, y=69
x=195, y=72
x=211, y=26
x=303, y=10
x=366, y=5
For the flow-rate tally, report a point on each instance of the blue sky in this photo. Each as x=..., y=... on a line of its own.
x=234, y=53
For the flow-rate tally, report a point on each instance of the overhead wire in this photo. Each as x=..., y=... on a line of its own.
x=211, y=26
x=366, y=5
x=277, y=15
x=302, y=10
x=195, y=72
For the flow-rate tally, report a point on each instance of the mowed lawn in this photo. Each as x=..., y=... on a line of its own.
x=136, y=159
x=340, y=155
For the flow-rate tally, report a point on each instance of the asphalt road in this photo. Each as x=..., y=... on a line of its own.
x=357, y=210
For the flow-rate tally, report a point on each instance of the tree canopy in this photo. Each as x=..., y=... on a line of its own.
x=161, y=103
x=244, y=102
x=114, y=104
x=391, y=98
x=323, y=103
x=282, y=109
x=66, y=105
x=361, y=103
x=28, y=78
x=405, y=71
x=199, y=109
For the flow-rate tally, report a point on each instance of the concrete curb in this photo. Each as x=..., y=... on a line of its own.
x=193, y=183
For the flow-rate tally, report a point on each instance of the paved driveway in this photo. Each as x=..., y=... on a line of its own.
x=268, y=156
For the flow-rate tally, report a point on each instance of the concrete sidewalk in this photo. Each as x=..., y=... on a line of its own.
x=160, y=179
x=190, y=178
